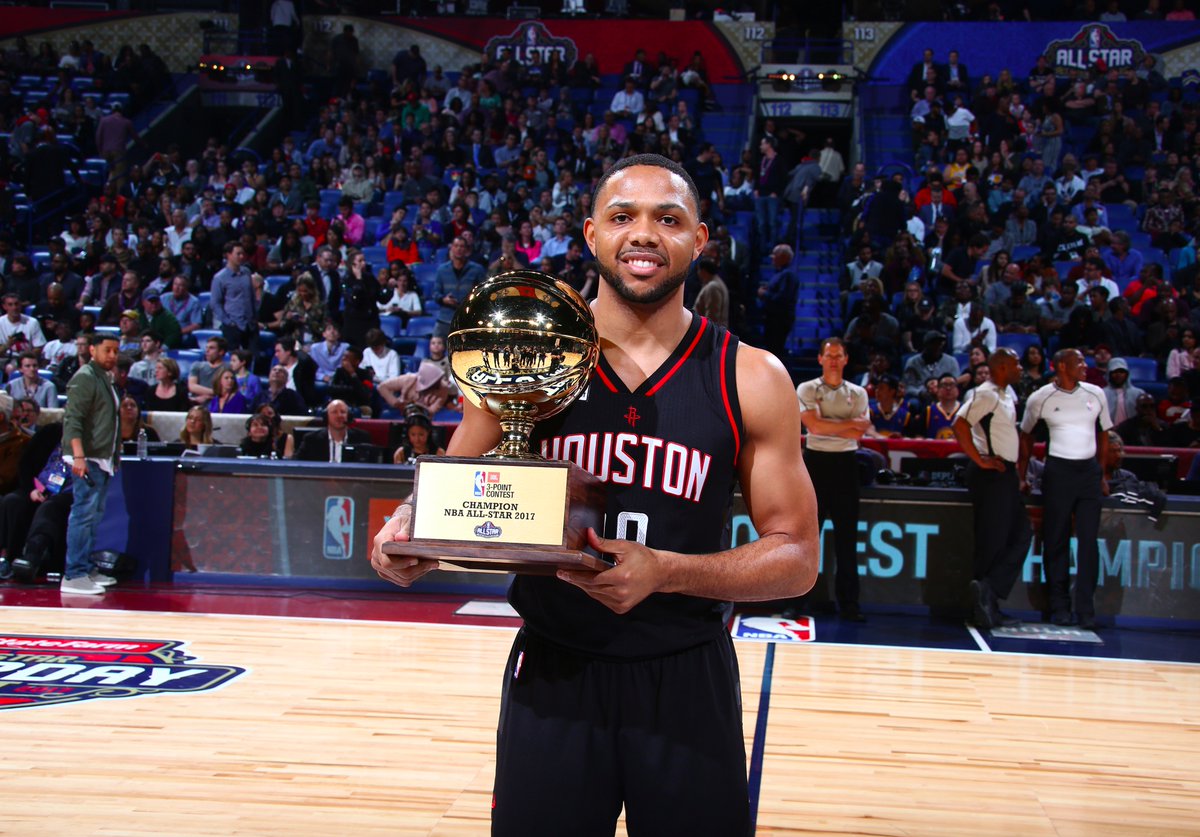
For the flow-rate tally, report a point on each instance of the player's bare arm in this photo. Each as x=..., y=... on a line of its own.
x=782, y=563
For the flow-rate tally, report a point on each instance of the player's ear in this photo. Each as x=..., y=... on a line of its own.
x=589, y=234
x=701, y=240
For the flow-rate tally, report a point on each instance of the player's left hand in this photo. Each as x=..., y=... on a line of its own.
x=637, y=574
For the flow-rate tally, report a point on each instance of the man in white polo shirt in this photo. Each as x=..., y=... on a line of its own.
x=1076, y=414
x=835, y=413
x=986, y=429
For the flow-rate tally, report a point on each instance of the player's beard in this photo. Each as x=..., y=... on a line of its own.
x=645, y=295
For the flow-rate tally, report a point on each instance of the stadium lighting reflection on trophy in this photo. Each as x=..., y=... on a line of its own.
x=522, y=347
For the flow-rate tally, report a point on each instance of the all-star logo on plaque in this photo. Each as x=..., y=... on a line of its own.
x=46, y=670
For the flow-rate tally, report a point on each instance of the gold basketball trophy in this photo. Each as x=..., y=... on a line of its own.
x=522, y=347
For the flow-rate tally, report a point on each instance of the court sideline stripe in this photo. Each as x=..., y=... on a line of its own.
x=979, y=640
x=760, y=735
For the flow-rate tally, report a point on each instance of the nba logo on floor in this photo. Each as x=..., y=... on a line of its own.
x=339, y=528
x=774, y=628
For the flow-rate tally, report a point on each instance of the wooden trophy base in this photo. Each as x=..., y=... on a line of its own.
x=504, y=516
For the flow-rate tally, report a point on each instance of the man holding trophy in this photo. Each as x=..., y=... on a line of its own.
x=622, y=687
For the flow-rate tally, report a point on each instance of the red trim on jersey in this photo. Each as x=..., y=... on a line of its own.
x=678, y=363
x=737, y=439
x=604, y=378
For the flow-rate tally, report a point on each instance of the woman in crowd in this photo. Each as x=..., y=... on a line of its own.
x=418, y=435
x=303, y=316
x=1180, y=358
x=226, y=398
x=131, y=422
x=197, y=428
x=527, y=244
x=405, y=301
x=168, y=394
x=258, y=440
x=401, y=247
x=1035, y=371
x=284, y=442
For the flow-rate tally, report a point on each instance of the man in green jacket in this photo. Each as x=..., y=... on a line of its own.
x=91, y=432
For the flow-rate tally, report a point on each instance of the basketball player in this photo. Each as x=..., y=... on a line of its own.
x=622, y=687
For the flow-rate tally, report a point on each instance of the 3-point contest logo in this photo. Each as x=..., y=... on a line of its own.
x=339, y=528
x=774, y=628
x=483, y=479
x=45, y=670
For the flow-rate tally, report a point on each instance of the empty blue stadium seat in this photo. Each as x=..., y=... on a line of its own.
x=420, y=326
x=1142, y=368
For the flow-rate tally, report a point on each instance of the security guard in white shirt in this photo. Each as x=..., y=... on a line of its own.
x=1076, y=413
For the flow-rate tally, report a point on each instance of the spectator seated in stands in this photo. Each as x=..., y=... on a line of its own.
x=890, y=417
x=277, y=397
x=1121, y=395
x=197, y=428
x=201, y=375
x=132, y=423
x=30, y=384
x=354, y=385
x=227, y=398
x=327, y=354
x=300, y=369
x=329, y=443
x=931, y=363
x=418, y=440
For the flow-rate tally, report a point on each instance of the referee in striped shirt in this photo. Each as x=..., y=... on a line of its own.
x=1076, y=414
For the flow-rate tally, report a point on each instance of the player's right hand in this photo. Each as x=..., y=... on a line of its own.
x=398, y=569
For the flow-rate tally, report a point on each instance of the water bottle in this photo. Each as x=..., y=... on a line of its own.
x=141, y=444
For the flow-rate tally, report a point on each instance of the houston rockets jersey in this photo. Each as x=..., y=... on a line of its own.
x=667, y=455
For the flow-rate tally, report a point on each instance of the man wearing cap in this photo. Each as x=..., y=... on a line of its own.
x=427, y=388
x=932, y=362
x=161, y=321
x=890, y=418
x=328, y=443
x=103, y=283
x=986, y=429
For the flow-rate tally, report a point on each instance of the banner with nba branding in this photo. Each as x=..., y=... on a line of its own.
x=48, y=670
x=888, y=51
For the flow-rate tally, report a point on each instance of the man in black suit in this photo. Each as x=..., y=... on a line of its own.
x=638, y=70
x=301, y=370
x=328, y=444
x=479, y=153
x=955, y=74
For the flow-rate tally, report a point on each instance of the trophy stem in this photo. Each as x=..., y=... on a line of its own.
x=516, y=423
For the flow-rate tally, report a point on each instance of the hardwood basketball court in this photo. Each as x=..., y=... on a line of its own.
x=361, y=726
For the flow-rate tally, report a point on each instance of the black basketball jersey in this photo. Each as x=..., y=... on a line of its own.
x=667, y=454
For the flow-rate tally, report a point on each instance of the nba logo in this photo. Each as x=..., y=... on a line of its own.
x=1094, y=37
x=482, y=478
x=339, y=528
x=531, y=35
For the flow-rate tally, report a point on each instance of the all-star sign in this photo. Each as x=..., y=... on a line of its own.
x=533, y=38
x=45, y=670
x=1094, y=43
